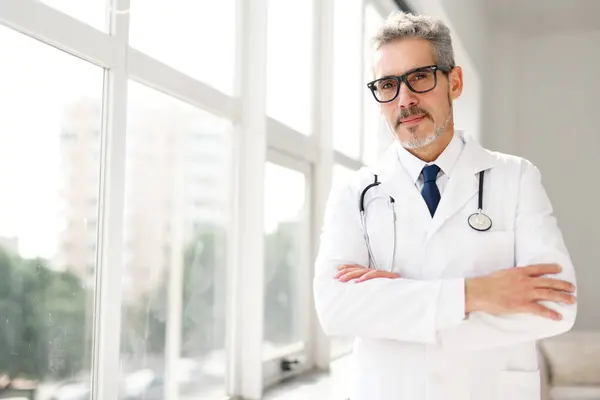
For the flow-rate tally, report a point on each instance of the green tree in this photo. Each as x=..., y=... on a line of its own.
x=203, y=316
x=205, y=257
x=281, y=255
x=42, y=320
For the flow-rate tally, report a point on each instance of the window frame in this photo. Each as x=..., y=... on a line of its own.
x=256, y=138
x=299, y=349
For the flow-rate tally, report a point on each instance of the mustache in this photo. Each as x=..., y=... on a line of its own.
x=409, y=112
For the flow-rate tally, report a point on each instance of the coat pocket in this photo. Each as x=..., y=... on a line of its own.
x=518, y=385
x=487, y=252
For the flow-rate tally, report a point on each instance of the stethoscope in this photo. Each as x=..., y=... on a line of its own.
x=363, y=222
x=478, y=221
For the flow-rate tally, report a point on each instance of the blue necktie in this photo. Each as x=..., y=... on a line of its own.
x=430, y=191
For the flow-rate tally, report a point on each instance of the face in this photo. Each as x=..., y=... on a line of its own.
x=417, y=119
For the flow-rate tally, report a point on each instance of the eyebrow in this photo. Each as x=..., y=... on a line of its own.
x=407, y=72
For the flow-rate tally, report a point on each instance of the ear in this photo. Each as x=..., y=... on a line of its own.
x=455, y=78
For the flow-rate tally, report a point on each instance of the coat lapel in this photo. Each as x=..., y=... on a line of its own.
x=461, y=187
x=463, y=183
x=396, y=182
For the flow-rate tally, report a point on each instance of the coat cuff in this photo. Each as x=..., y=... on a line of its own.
x=451, y=303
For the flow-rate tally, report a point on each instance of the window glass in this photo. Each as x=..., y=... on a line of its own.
x=347, y=77
x=377, y=134
x=49, y=173
x=340, y=345
x=289, y=63
x=92, y=12
x=284, y=244
x=176, y=213
x=196, y=37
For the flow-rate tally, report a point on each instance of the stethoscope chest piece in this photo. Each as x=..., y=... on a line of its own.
x=479, y=221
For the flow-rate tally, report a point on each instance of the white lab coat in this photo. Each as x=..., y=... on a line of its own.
x=413, y=341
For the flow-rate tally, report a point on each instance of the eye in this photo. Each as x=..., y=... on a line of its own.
x=388, y=84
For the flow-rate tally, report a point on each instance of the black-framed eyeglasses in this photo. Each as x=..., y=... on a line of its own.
x=419, y=80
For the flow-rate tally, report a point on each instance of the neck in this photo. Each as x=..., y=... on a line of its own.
x=432, y=151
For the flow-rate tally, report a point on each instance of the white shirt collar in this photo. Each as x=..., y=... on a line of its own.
x=446, y=161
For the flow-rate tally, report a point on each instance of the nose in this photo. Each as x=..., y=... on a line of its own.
x=406, y=97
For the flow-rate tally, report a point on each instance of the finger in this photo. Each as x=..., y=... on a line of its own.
x=377, y=274
x=553, y=295
x=346, y=266
x=555, y=284
x=541, y=269
x=347, y=270
x=353, y=275
x=538, y=309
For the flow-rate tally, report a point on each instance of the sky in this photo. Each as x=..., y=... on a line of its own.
x=36, y=82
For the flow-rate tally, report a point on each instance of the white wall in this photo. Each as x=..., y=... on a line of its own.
x=542, y=104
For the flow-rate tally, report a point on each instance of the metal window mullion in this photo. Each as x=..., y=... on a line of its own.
x=283, y=159
x=42, y=22
x=246, y=281
x=160, y=76
x=363, y=55
x=345, y=161
x=286, y=140
x=386, y=7
x=107, y=313
x=175, y=276
x=318, y=349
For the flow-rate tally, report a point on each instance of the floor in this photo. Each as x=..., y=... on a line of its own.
x=330, y=386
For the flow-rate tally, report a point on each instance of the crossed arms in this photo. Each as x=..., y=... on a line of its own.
x=507, y=307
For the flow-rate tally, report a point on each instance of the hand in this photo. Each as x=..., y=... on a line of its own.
x=518, y=290
x=348, y=272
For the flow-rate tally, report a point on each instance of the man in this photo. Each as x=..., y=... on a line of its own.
x=442, y=306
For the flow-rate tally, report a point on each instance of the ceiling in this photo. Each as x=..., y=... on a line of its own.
x=545, y=15
x=535, y=6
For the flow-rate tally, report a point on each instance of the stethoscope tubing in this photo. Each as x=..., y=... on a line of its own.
x=363, y=219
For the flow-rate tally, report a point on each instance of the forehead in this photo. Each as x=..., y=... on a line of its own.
x=399, y=56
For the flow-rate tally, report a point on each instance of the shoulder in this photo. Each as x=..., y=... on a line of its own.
x=510, y=163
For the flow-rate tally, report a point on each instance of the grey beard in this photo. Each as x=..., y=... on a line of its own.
x=417, y=143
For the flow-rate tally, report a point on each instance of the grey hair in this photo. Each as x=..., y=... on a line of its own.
x=400, y=25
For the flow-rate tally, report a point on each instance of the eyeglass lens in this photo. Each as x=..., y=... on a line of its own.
x=418, y=81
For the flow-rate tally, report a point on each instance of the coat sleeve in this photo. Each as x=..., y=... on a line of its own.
x=399, y=309
x=538, y=239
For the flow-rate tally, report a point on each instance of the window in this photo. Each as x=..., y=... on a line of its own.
x=347, y=77
x=173, y=330
x=47, y=288
x=340, y=345
x=196, y=37
x=289, y=63
x=377, y=134
x=92, y=12
x=168, y=155
x=284, y=245
x=341, y=174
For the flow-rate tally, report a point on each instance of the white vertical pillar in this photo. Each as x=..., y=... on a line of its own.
x=246, y=306
x=175, y=274
x=107, y=313
x=363, y=74
x=323, y=135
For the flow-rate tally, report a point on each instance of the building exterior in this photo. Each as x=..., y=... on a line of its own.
x=177, y=182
